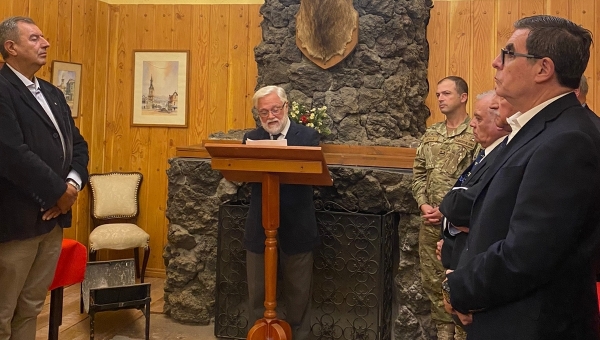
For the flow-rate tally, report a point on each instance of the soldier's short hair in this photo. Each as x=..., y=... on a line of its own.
x=461, y=84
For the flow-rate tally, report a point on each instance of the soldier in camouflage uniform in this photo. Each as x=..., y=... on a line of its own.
x=446, y=149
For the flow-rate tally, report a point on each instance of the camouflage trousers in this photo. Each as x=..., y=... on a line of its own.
x=432, y=272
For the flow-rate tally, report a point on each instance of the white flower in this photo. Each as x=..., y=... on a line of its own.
x=312, y=116
x=310, y=125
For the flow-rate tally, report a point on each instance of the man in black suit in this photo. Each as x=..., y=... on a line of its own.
x=581, y=93
x=298, y=226
x=456, y=205
x=527, y=271
x=44, y=165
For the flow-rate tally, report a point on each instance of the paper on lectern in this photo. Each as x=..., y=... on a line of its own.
x=267, y=142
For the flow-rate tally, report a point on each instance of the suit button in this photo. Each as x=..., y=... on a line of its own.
x=55, y=135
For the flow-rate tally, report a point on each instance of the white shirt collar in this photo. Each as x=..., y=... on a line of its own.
x=286, y=128
x=493, y=146
x=519, y=119
x=32, y=85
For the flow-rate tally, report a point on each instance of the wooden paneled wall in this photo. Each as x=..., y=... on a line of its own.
x=102, y=37
x=464, y=37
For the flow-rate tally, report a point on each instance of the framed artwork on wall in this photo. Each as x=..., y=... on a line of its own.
x=67, y=77
x=160, y=87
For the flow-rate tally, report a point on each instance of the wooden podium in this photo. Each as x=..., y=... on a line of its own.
x=271, y=166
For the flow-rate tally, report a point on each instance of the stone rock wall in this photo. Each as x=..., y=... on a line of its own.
x=195, y=194
x=376, y=96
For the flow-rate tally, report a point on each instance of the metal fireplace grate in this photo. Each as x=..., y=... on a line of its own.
x=352, y=280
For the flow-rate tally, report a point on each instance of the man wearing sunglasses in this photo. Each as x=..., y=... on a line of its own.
x=527, y=271
x=297, y=231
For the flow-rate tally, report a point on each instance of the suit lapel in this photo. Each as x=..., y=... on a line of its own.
x=292, y=134
x=26, y=95
x=264, y=134
x=479, y=169
x=53, y=104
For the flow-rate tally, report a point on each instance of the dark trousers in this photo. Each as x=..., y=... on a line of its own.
x=296, y=292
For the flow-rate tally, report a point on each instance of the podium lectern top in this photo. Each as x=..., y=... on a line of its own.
x=247, y=163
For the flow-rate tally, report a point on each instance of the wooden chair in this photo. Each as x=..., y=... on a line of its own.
x=114, y=210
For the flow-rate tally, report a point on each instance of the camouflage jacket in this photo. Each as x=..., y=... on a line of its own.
x=440, y=160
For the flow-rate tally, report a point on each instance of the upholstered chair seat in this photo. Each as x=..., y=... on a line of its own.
x=115, y=208
x=118, y=236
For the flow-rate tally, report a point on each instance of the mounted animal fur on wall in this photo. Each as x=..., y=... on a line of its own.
x=326, y=30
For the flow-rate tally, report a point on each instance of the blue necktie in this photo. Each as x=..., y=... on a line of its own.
x=478, y=159
x=470, y=169
x=504, y=142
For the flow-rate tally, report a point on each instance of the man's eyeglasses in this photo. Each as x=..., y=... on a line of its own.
x=504, y=52
x=275, y=111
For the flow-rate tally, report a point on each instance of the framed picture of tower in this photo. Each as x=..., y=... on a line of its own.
x=67, y=77
x=160, y=88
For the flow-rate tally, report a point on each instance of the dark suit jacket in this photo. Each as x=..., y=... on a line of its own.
x=593, y=117
x=596, y=121
x=534, y=234
x=33, y=167
x=298, y=226
x=456, y=207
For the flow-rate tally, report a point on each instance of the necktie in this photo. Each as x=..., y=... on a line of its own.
x=478, y=158
x=470, y=169
x=276, y=136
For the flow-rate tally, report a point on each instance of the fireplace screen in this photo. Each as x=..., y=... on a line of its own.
x=352, y=281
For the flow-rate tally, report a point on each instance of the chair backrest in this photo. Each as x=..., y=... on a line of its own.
x=115, y=195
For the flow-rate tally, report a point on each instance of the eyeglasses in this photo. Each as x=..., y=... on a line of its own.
x=504, y=52
x=275, y=111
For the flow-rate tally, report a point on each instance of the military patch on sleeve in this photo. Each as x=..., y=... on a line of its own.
x=430, y=138
x=466, y=141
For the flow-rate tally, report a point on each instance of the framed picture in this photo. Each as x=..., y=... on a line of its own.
x=160, y=88
x=67, y=77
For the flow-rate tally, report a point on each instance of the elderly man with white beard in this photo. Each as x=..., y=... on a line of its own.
x=297, y=228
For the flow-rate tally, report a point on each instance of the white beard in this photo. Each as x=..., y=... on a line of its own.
x=275, y=129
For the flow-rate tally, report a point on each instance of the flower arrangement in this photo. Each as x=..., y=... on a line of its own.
x=313, y=118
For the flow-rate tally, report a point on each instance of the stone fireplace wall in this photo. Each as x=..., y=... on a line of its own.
x=376, y=96
x=196, y=192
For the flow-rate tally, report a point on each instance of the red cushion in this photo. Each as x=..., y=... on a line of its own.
x=71, y=264
x=598, y=290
